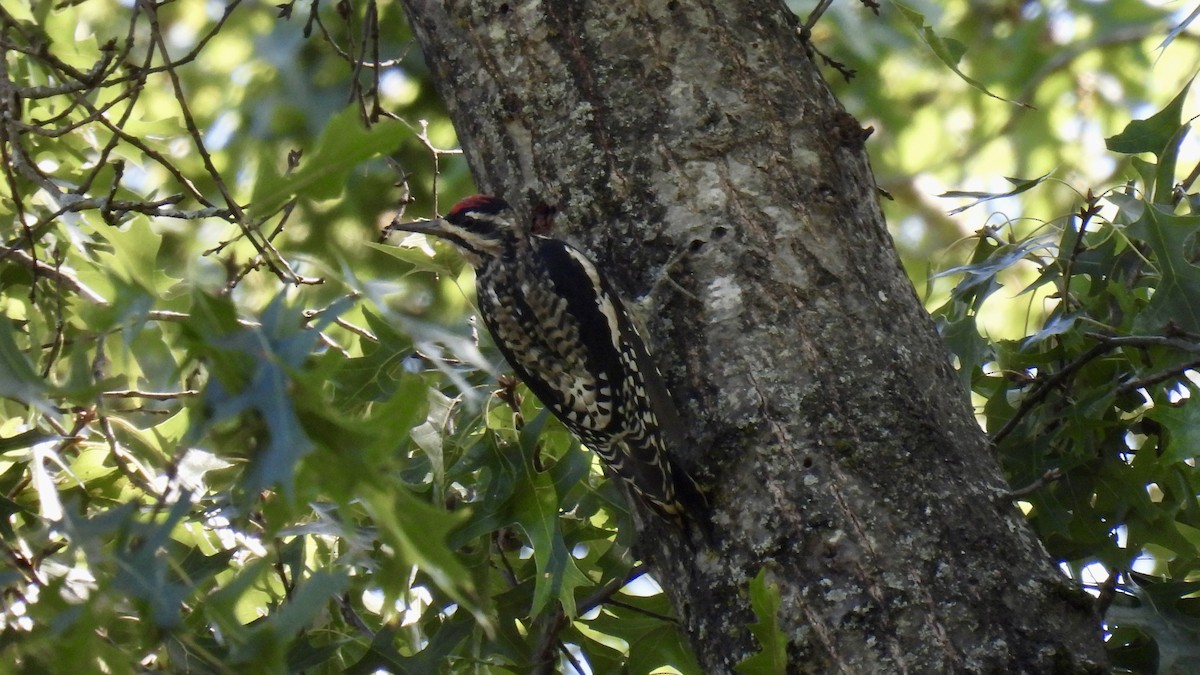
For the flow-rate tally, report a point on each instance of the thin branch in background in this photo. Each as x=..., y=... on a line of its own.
x=575, y=665
x=179, y=317
x=604, y=593
x=314, y=18
x=1108, y=592
x=506, y=569
x=288, y=582
x=351, y=616
x=543, y=655
x=806, y=36
x=1105, y=345
x=133, y=93
x=267, y=253
x=1042, y=481
x=57, y=273
x=189, y=121
x=372, y=29
x=1156, y=378
x=358, y=94
x=1089, y=210
x=155, y=208
x=813, y=17
x=185, y=59
x=275, y=261
x=310, y=314
x=153, y=154
x=150, y=395
x=13, y=156
x=1062, y=59
x=129, y=465
x=19, y=562
x=436, y=153
x=1146, y=341
x=1047, y=385
x=1186, y=184
x=644, y=612
x=60, y=323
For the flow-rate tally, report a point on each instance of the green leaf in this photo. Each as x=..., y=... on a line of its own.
x=26, y=439
x=1020, y=185
x=252, y=366
x=306, y=601
x=1152, y=134
x=379, y=373
x=1176, y=298
x=535, y=507
x=323, y=173
x=383, y=655
x=134, y=253
x=416, y=259
x=948, y=50
x=1164, y=177
x=661, y=646
x=1182, y=426
x=1167, y=613
x=419, y=532
x=764, y=600
x=145, y=574
x=17, y=377
x=957, y=328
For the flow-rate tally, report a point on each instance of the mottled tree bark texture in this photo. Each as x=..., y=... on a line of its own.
x=693, y=149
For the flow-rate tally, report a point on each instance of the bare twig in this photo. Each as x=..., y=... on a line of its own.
x=1042, y=481
x=57, y=273
x=1146, y=341
x=1047, y=385
x=151, y=395
x=1155, y=378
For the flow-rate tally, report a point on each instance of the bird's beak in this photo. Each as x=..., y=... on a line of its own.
x=430, y=226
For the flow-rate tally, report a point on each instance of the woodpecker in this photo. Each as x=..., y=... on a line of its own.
x=568, y=337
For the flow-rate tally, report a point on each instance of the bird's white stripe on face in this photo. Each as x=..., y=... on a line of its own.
x=604, y=302
x=472, y=241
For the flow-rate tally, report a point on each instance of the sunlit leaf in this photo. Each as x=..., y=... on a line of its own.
x=344, y=144
x=418, y=531
x=1020, y=185
x=764, y=600
x=310, y=597
x=1152, y=134
x=948, y=50
x=17, y=377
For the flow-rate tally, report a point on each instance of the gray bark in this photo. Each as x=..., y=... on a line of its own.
x=695, y=140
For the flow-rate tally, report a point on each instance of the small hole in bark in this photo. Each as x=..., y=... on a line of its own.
x=504, y=8
x=808, y=462
x=672, y=5
x=719, y=232
x=696, y=245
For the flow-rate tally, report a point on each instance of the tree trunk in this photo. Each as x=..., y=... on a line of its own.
x=693, y=149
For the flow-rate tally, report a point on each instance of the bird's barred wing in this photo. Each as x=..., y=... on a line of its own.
x=648, y=422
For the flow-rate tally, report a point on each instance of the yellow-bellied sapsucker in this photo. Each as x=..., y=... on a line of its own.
x=569, y=338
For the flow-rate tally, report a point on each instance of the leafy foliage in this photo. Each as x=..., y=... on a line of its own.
x=235, y=435
x=1095, y=412
x=223, y=449
x=764, y=600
